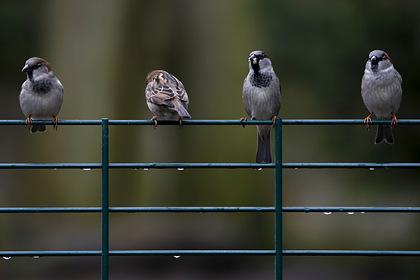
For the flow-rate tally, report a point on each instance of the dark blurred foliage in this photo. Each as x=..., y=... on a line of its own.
x=102, y=51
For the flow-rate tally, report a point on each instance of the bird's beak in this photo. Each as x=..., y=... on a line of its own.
x=25, y=68
x=374, y=60
x=253, y=60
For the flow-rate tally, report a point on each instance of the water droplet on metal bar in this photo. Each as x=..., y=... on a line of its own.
x=327, y=213
x=7, y=258
x=177, y=257
x=350, y=213
x=36, y=257
x=259, y=169
x=180, y=169
x=146, y=169
x=372, y=169
x=87, y=169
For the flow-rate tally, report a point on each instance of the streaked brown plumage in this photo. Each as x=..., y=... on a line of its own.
x=166, y=96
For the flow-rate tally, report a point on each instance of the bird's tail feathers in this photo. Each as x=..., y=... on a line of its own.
x=263, y=144
x=182, y=112
x=384, y=135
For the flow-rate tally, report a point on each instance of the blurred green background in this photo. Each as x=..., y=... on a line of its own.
x=102, y=50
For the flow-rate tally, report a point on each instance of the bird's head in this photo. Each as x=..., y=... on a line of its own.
x=378, y=60
x=258, y=60
x=36, y=66
x=157, y=76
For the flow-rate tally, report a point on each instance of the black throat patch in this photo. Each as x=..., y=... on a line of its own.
x=260, y=80
x=42, y=86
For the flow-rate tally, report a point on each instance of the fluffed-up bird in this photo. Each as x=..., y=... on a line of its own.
x=41, y=95
x=261, y=97
x=166, y=97
x=381, y=93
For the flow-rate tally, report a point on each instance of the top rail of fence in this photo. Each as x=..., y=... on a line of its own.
x=98, y=122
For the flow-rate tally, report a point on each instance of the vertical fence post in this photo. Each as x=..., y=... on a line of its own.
x=278, y=202
x=105, y=201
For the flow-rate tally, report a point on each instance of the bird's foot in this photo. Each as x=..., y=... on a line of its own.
x=368, y=121
x=273, y=119
x=180, y=121
x=154, y=119
x=28, y=120
x=55, y=122
x=394, y=120
x=243, y=119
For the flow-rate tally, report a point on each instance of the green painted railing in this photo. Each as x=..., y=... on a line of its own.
x=278, y=252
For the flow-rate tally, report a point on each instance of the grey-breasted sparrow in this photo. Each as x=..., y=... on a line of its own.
x=166, y=96
x=261, y=97
x=381, y=93
x=41, y=95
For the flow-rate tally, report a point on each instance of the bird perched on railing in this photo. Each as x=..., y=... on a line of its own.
x=381, y=93
x=166, y=97
x=261, y=97
x=41, y=95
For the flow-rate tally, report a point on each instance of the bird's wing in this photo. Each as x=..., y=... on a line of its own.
x=166, y=92
x=247, y=97
x=177, y=88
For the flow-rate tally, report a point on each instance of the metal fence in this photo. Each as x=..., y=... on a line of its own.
x=277, y=252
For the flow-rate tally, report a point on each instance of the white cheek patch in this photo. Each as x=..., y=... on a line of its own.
x=390, y=68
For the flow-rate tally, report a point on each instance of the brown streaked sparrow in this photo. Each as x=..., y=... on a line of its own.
x=166, y=97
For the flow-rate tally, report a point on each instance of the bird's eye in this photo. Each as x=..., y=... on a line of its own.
x=384, y=57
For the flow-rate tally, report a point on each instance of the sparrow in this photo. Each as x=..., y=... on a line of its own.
x=381, y=93
x=41, y=95
x=166, y=97
x=261, y=98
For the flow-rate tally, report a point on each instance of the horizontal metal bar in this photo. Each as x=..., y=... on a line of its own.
x=190, y=209
x=182, y=166
x=372, y=253
x=369, y=165
x=190, y=122
x=139, y=122
x=50, y=122
x=216, y=122
x=190, y=165
x=189, y=252
x=243, y=209
x=132, y=209
x=179, y=166
x=352, y=209
x=42, y=253
x=50, y=209
x=346, y=122
x=133, y=253
x=178, y=253
x=50, y=165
